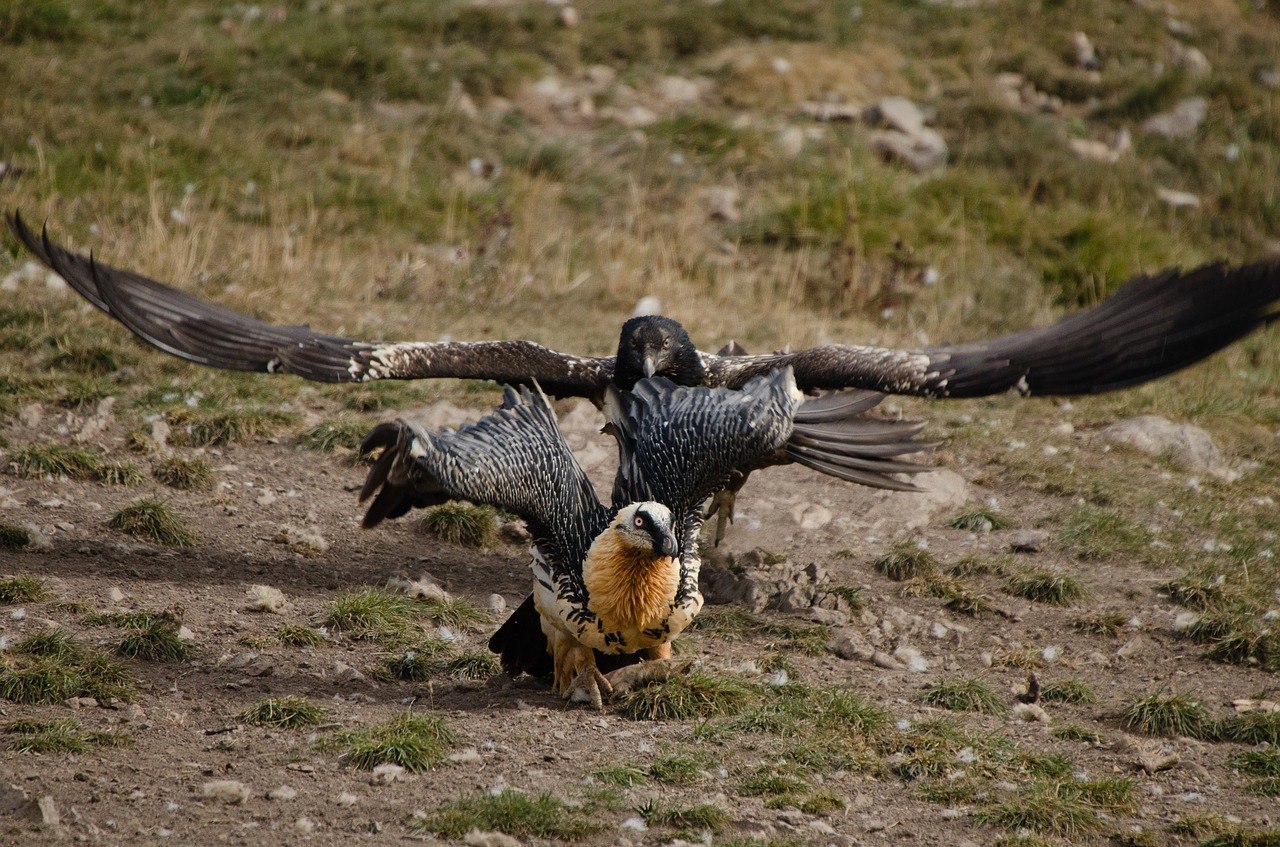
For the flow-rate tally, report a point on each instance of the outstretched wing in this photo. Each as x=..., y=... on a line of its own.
x=679, y=445
x=1151, y=326
x=208, y=334
x=513, y=458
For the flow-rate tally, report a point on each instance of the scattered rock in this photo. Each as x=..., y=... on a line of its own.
x=681, y=91
x=1187, y=444
x=850, y=644
x=344, y=674
x=1269, y=77
x=1029, y=713
x=264, y=598
x=830, y=617
x=722, y=203
x=497, y=604
x=759, y=580
x=1028, y=540
x=425, y=587
x=1185, y=620
x=1190, y=58
x=303, y=541
x=1020, y=93
x=1180, y=122
x=283, y=793
x=1132, y=647
x=811, y=515
x=387, y=773
x=570, y=17
x=1177, y=199
x=346, y=799
x=115, y=596
x=229, y=791
x=647, y=305
x=1086, y=55
x=1099, y=151
x=895, y=113
x=1249, y=704
x=477, y=838
x=883, y=660
x=922, y=152
x=304, y=826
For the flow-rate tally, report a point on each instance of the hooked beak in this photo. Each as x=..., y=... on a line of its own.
x=650, y=366
x=670, y=546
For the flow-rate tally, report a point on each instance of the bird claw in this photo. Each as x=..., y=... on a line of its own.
x=586, y=687
x=721, y=508
x=627, y=679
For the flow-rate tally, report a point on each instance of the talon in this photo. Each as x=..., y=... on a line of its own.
x=721, y=508
x=586, y=686
x=632, y=677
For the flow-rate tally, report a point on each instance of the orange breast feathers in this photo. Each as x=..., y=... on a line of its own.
x=628, y=588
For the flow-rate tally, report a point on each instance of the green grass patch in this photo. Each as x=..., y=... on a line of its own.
x=373, y=614
x=22, y=588
x=473, y=665
x=299, y=635
x=702, y=817
x=1075, y=732
x=456, y=612
x=1041, y=585
x=1199, y=590
x=283, y=713
x=51, y=667
x=1167, y=714
x=677, y=769
x=213, y=427
x=907, y=560
x=1263, y=762
x=415, y=742
x=734, y=625
x=512, y=812
x=13, y=537
x=417, y=662
x=699, y=694
x=1045, y=809
x=461, y=523
x=1256, y=727
x=183, y=473
x=328, y=436
x=152, y=520
x=155, y=638
x=980, y=520
x=623, y=776
x=59, y=735
x=964, y=695
x=1095, y=534
x=1109, y=624
x=1068, y=691
x=37, y=461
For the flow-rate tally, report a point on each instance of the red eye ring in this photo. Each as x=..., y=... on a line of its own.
x=639, y=522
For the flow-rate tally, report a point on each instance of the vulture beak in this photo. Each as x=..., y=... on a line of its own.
x=670, y=546
x=650, y=366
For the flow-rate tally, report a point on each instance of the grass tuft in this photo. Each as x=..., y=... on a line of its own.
x=907, y=560
x=13, y=537
x=299, y=635
x=980, y=520
x=676, y=769
x=60, y=735
x=372, y=614
x=151, y=520
x=22, y=588
x=1068, y=691
x=1042, y=808
x=703, y=817
x=1094, y=534
x=477, y=664
x=510, y=812
x=456, y=612
x=1103, y=623
x=1167, y=714
x=415, y=742
x=1256, y=727
x=283, y=713
x=329, y=435
x=182, y=473
x=50, y=667
x=54, y=460
x=155, y=639
x=461, y=523
x=1074, y=732
x=1046, y=586
x=699, y=694
x=204, y=427
x=964, y=695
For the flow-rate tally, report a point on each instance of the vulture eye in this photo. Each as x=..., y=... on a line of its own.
x=666, y=343
x=638, y=521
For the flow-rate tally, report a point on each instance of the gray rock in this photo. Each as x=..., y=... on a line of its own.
x=1028, y=540
x=849, y=644
x=1186, y=444
x=940, y=491
x=811, y=515
x=497, y=604
x=882, y=659
x=1086, y=55
x=1177, y=199
x=897, y=113
x=1269, y=77
x=478, y=838
x=921, y=151
x=344, y=674
x=758, y=581
x=830, y=617
x=1181, y=121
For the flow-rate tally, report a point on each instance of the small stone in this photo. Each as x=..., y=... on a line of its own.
x=229, y=791
x=811, y=516
x=387, y=773
x=1132, y=647
x=283, y=793
x=1052, y=653
x=645, y=306
x=849, y=644
x=264, y=598
x=48, y=811
x=1180, y=122
x=425, y=587
x=344, y=674
x=897, y=113
x=922, y=151
x=883, y=660
x=496, y=604
x=346, y=799
x=679, y=90
x=479, y=838
x=1269, y=77
x=938, y=632
x=722, y=203
x=304, y=826
x=115, y=596
x=1177, y=199
x=830, y=617
x=570, y=17
x=1086, y=55
x=1189, y=445
x=81, y=703
x=1028, y=540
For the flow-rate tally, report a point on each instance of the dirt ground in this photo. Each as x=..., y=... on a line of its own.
x=187, y=734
